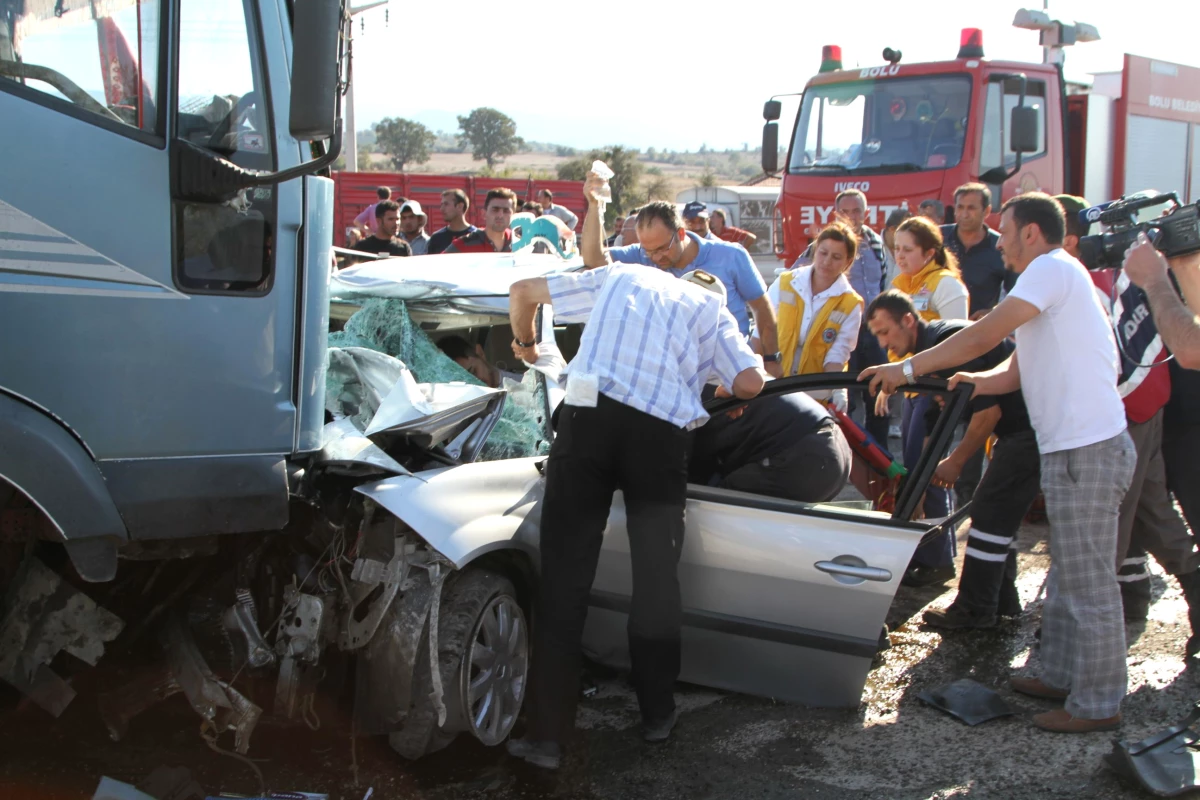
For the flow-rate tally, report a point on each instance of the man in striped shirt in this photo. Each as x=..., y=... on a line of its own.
x=651, y=343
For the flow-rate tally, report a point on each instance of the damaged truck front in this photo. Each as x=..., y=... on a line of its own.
x=178, y=467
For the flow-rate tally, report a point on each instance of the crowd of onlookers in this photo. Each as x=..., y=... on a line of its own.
x=397, y=227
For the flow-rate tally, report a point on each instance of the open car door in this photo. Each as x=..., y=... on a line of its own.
x=781, y=599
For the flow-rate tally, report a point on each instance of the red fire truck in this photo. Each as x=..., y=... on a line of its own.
x=904, y=133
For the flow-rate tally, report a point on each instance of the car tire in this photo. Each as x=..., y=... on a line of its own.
x=476, y=605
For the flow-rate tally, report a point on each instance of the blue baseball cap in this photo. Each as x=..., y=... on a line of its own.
x=695, y=209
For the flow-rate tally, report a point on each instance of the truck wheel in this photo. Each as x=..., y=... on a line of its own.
x=483, y=655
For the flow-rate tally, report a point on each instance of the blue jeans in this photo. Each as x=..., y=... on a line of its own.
x=940, y=551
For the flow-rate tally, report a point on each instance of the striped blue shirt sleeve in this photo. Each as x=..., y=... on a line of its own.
x=731, y=354
x=573, y=294
x=629, y=254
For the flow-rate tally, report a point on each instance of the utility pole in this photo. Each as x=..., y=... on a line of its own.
x=351, y=131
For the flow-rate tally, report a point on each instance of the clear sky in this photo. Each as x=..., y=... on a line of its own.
x=678, y=75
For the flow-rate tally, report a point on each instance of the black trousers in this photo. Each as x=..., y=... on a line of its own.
x=596, y=452
x=1007, y=490
x=812, y=470
x=1180, y=445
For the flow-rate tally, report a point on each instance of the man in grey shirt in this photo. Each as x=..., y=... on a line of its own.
x=412, y=227
x=546, y=198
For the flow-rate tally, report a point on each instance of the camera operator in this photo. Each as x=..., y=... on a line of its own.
x=1148, y=519
x=1178, y=324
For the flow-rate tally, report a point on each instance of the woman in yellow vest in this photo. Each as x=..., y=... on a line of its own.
x=817, y=312
x=929, y=272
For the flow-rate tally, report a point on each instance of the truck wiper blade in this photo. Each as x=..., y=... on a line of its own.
x=838, y=167
x=903, y=166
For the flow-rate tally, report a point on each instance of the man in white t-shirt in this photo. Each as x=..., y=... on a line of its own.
x=1066, y=365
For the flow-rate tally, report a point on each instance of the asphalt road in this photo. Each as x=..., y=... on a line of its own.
x=725, y=746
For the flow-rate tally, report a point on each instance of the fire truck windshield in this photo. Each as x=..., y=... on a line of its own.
x=883, y=125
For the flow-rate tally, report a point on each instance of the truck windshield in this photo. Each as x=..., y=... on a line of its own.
x=890, y=124
x=102, y=57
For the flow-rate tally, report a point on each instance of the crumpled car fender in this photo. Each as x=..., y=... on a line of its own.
x=466, y=511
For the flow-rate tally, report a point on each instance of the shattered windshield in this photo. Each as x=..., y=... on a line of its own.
x=384, y=325
x=897, y=124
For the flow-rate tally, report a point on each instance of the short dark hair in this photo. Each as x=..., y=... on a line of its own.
x=384, y=206
x=939, y=209
x=456, y=347
x=895, y=302
x=896, y=217
x=985, y=194
x=719, y=212
x=660, y=210
x=1038, y=208
x=460, y=198
x=529, y=205
x=383, y=193
x=549, y=194
x=501, y=194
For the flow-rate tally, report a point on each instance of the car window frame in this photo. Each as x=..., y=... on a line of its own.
x=920, y=475
x=158, y=138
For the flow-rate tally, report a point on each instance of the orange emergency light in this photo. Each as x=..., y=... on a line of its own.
x=970, y=43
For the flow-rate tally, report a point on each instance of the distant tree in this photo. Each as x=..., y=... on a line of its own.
x=707, y=178
x=623, y=161
x=407, y=142
x=565, y=152
x=365, y=164
x=490, y=134
x=703, y=149
x=654, y=171
x=657, y=188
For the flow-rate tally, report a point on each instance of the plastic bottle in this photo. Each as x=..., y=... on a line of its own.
x=602, y=171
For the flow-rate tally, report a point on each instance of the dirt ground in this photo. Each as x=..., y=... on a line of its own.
x=725, y=746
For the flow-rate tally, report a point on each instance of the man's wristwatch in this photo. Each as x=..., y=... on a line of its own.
x=772, y=358
x=907, y=367
x=523, y=344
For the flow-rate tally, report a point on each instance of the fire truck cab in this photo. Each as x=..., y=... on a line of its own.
x=903, y=133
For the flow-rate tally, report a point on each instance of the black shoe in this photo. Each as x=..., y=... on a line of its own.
x=1190, y=583
x=921, y=576
x=1010, y=603
x=958, y=617
x=659, y=731
x=546, y=755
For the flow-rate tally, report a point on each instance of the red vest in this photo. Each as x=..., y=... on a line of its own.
x=1145, y=390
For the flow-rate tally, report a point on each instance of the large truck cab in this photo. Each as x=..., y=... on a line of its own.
x=904, y=133
x=164, y=261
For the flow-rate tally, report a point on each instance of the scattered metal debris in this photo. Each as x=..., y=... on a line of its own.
x=43, y=616
x=970, y=701
x=1166, y=764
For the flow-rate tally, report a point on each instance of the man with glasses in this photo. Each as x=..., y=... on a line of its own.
x=664, y=242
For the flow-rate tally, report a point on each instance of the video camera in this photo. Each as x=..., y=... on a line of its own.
x=1175, y=233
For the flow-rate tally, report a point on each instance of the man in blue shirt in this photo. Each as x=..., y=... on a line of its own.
x=664, y=242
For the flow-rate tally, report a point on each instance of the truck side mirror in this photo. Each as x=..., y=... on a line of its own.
x=771, y=110
x=316, y=35
x=770, y=148
x=1023, y=130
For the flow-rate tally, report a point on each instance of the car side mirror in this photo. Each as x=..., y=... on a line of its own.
x=770, y=148
x=316, y=34
x=771, y=110
x=1023, y=130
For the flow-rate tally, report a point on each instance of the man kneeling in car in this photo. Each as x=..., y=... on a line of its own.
x=786, y=446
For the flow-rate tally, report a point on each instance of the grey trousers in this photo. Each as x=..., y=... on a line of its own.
x=1083, y=627
x=1149, y=518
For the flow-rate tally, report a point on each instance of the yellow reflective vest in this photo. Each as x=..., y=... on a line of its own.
x=822, y=333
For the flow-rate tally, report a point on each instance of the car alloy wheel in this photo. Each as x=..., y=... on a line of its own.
x=495, y=670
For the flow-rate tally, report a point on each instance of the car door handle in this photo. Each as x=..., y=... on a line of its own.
x=851, y=571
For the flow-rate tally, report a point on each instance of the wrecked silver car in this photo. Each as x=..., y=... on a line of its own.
x=408, y=566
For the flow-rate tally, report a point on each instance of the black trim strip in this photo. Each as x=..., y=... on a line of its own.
x=754, y=629
x=732, y=497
